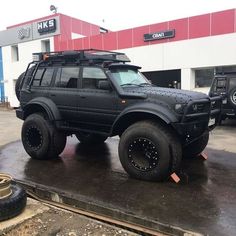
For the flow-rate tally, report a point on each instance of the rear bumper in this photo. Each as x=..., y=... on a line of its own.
x=20, y=113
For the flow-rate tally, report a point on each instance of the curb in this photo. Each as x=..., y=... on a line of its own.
x=97, y=210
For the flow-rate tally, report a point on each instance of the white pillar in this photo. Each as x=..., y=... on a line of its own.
x=187, y=79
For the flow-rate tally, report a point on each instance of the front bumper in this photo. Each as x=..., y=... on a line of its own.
x=227, y=112
x=193, y=125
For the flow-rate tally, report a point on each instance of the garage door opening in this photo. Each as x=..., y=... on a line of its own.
x=169, y=78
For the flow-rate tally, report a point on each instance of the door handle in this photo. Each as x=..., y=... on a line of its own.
x=82, y=96
x=53, y=95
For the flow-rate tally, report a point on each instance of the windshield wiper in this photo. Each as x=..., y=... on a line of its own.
x=128, y=84
x=145, y=84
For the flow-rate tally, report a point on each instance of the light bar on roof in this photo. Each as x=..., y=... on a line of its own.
x=37, y=56
x=122, y=57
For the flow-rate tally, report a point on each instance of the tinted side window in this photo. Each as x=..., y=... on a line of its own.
x=91, y=76
x=47, y=77
x=38, y=77
x=67, y=77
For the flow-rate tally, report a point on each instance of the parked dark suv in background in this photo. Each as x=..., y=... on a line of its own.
x=95, y=95
x=224, y=84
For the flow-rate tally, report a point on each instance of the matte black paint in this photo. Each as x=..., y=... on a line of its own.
x=103, y=110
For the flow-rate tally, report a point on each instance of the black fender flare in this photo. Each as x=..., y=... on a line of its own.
x=43, y=103
x=160, y=111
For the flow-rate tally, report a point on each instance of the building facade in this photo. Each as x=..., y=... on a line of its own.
x=2, y=94
x=183, y=53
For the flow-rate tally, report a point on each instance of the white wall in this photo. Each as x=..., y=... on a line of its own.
x=186, y=55
x=12, y=70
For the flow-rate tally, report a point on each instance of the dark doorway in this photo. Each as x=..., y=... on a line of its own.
x=168, y=78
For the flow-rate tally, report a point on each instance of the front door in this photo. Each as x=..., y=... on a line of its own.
x=97, y=107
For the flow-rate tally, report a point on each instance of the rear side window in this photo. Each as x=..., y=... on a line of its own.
x=67, y=77
x=43, y=77
x=47, y=77
x=38, y=77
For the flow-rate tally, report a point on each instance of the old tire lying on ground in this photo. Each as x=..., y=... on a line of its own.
x=149, y=151
x=41, y=139
x=12, y=198
x=88, y=138
x=14, y=204
x=195, y=148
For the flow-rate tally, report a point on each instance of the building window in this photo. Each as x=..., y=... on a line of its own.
x=203, y=77
x=45, y=45
x=15, y=53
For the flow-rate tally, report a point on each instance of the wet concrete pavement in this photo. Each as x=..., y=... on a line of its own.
x=92, y=178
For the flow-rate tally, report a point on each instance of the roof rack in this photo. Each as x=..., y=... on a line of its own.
x=90, y=55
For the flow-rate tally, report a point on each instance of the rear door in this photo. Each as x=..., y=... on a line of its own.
x=64, y=92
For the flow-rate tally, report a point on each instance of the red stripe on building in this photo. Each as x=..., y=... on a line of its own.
x=187, y=28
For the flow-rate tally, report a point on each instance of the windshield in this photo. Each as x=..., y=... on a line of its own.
x=129, y=77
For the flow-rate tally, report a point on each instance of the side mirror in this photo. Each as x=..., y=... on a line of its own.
x=104, y=84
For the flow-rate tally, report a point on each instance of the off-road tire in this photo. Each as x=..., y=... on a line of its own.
x=232, y=97
x=155, y=142
x=14, y=204
x=88, y=138
x=195, y=148
x=17, y=86
x=41, y=139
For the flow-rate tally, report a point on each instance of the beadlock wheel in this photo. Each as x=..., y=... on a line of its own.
x=149, y=151
x=143, y=154
x=40, y=137
x=34, y=137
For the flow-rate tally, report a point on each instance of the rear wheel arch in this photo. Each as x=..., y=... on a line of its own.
x=45, y=106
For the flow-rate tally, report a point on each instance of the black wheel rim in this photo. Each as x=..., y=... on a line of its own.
x=34, y=137
x=143, y=154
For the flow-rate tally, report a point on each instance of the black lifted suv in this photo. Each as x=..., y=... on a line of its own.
x=95, y=95
x=224, y=84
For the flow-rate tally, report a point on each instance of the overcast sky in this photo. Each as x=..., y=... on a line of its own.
x=111, y=14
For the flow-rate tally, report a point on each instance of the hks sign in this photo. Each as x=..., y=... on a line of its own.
x=46, y=26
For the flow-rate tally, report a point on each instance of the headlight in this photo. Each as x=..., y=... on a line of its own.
x=199, y=107
x=179, y=108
